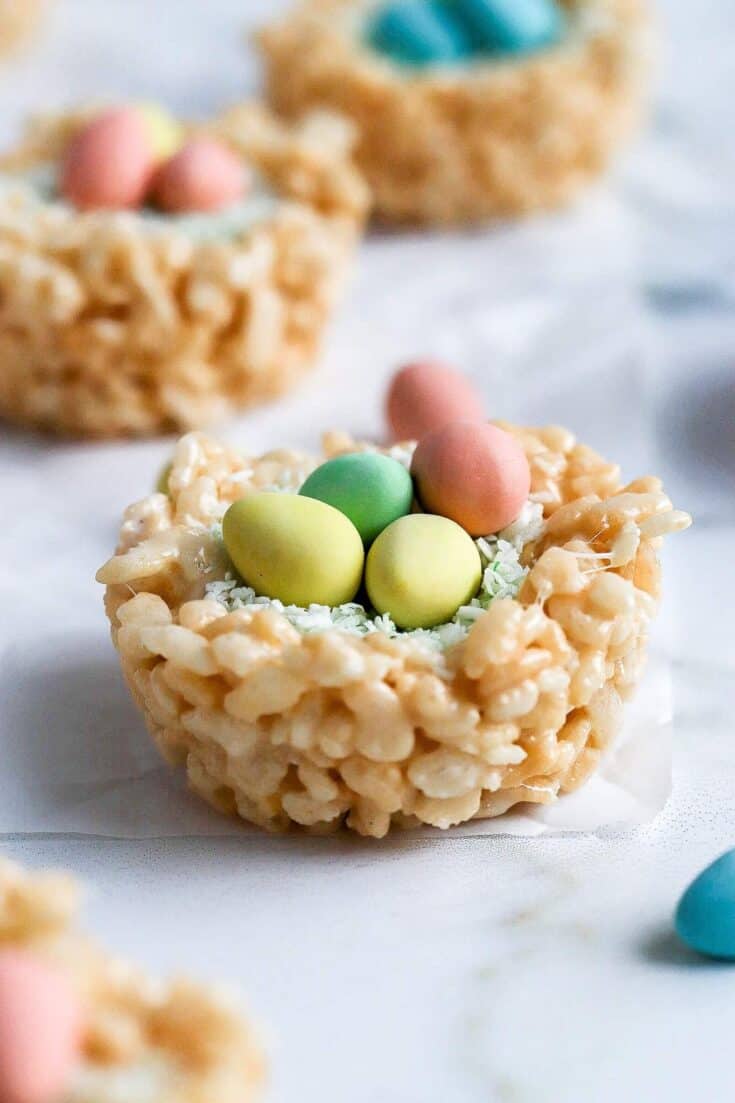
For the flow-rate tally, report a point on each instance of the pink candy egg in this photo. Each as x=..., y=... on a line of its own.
x=203, y=176
x=40, y=1029
x=109, y=163
x=475, y=474
x=424, y=396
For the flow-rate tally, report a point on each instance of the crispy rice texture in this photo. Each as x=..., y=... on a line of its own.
x=490, y=140
x=208, y=1049
x=325, y=729
x=18, y=21
x=110, y=329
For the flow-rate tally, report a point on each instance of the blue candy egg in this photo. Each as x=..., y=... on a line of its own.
x=417, y=32
x=705, y=917
x=511, y=26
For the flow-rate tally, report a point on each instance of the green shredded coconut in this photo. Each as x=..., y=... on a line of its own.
x=40, y=184
x=502, y=576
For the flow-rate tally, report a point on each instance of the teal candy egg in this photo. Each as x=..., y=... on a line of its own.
x=418, y=32
x=705, y=917
x=371, y=489
x=511, y=26
x=445, y=12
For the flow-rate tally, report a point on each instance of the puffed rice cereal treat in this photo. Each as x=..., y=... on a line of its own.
x=81, y=1026
x=452, y=132
x=156, y=276
x=306, y=671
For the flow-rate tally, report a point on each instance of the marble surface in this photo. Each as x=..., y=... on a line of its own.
x=488, y=970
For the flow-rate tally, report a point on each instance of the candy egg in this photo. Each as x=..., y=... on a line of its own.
x=165, y=133
x=511, y=26
x=705, y=917
x=203, y=176
x=424, y=396
x=417, y=32
x=293, y=548
x=476, y=474
x=40, y=1029
x=371, y=489
x=109, y=163
x=421, y=569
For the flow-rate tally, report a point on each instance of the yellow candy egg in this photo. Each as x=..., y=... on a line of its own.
x=296, y=549
x=421, y=569
x=165, y=133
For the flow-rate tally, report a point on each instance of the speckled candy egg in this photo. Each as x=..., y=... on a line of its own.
x=705, y=917
x=203, y=176
x=476, y=474
x=109, y=163
x=40, y=1029
x=424, y=396
x=293, y=548
x=371, y=489
x=421, y=569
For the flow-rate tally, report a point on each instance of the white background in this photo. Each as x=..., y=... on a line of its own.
x=412, y=971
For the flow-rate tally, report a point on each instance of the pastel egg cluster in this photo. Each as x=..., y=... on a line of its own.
x=40, y=1029
x=364, y=520
x=128, y=156
x=441, y=32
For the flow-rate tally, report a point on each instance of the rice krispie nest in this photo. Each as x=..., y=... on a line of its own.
x=318, y=728
x=488, y=139
x=160, y=1043
x=110, y=326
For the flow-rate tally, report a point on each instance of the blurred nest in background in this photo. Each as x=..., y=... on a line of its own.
x=19, y=20
x=179, y=1041
x=498, y=137
x=111, y=325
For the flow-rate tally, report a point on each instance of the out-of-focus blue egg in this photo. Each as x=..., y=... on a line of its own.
x=705, y=917
x=419, y=32
x=510, y=26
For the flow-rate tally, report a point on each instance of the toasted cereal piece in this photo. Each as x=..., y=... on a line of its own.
x=319, y=717
x=19, y=20
x=476, y=136
x=102, y=1029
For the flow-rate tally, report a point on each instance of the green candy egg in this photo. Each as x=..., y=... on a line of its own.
x=371, y=489
x=421, y=569
x=296, y=549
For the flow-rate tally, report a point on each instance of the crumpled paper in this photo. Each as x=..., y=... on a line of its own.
x=631, y=786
